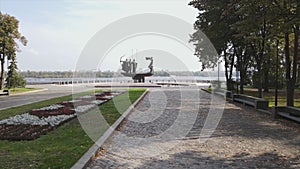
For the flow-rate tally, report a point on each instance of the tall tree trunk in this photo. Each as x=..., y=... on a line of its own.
x=229, y=62
x=266, y=74
x=260, y=95
x=2, y=60
x=2, y=73
x=298, y=77
x=289, y=90
x=231, y=71
x=296, y=45
x=226, y=69
x=242, y=66
x=295, y=61
x=266, y=80
x=261, y=58
x=291, y=81
x=295, y=58
x=242, y=81
x=243, y=70
x=239, y=68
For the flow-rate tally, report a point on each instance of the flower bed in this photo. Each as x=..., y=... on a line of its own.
x=84, y=108
x=70, y=103
x=101, y=98
x=48, y=108
x=62, y=111
x=87, y=98
x=31, y=125
x=98, y=102
x=27, y=118
x=73, y=103
x=23, y=131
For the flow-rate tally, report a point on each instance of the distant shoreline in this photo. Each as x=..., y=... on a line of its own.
x=121, y=79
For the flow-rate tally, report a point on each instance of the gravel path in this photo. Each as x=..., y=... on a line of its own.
x=169, y=129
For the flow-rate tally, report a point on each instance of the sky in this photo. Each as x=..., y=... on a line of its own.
x=58, y=32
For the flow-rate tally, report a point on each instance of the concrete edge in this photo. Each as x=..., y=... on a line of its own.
x=264, y=111
x=216, y=94
x=203, y=89
x=22, y=93
x=232, y=101
x=34, y=91
x=87, y=157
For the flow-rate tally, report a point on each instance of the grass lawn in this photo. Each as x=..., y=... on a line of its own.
x=270, y=96
x=62, y=147
x=22, y=90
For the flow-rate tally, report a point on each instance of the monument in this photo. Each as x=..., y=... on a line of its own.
x=129, y=68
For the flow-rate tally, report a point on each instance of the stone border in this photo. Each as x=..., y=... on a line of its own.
x=87, y=157
x=232, y=101
x=207, y=91
x=33, y=91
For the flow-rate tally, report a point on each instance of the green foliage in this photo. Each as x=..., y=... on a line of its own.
x=22, y=90
x=271, y=98
x=13, y=79
x=16, y=81
x=244, y=34
x=9, y=35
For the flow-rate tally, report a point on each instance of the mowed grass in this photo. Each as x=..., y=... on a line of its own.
x=22, y=90
x=60, y=148
x=270, y=96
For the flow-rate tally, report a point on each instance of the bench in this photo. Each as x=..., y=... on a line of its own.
x=257, y=103
x=224, y=93
x=4, y=92
x=287, y=112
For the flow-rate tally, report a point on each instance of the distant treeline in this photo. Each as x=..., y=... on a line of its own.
x=67, y=74
x=70, y=74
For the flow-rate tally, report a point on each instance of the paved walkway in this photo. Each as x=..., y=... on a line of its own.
x=51, y=91
x=171, y=128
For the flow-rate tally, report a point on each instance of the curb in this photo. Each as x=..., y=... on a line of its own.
x=22, y=93
x=34, y=91
x=233, y=102
x=87, y=157
x=203, y=89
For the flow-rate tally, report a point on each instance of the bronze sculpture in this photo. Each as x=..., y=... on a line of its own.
x=129, y=69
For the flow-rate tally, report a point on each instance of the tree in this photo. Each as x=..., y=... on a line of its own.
x=244, y=33
x=9, y=36
x=290, y=23
x=14, y=79
x=258, y=29
x=215, y=19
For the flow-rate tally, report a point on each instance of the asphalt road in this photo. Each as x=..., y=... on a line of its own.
x=47, y=92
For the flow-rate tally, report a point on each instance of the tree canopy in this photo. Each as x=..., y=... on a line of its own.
x=9, y=38
x=245, y=32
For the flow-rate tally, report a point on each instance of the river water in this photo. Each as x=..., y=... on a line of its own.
x=123, y=79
